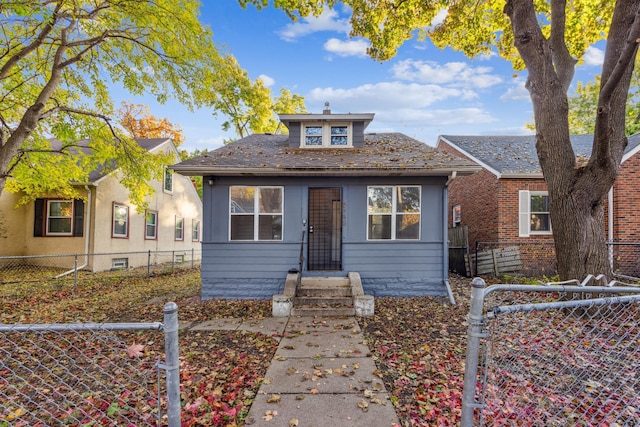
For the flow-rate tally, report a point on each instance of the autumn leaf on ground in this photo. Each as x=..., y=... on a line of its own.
x=268, y=415
x=275, y=398
x=135, y=350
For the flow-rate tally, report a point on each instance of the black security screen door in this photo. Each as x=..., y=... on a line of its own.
x=325, y=229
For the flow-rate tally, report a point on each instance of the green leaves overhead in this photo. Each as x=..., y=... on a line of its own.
x=61, y=58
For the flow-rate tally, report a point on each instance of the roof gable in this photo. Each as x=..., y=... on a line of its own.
x=516, y=155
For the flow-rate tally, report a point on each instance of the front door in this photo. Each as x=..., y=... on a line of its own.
x=325, y=229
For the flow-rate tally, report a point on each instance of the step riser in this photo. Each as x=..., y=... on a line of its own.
x=324, y=282
x=323, y=302
x=319, y=312
x=324, y=292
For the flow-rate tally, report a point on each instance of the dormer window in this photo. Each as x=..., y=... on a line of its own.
x=326, y=135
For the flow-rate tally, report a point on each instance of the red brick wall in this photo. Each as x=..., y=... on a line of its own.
x=508, y=225
x=478, y=199
x=626, y=195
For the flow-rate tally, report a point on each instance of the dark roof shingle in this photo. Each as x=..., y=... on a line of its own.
x=517, y=154
x=381, y=154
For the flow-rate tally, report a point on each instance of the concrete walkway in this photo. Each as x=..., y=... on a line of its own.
x=322, y=375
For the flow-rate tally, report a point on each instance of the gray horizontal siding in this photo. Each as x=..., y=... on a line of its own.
x=397, y=268
x=246, y=270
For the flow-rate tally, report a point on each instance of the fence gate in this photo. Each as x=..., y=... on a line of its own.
x=458, y=250
x=84, y=374
x=553, y=355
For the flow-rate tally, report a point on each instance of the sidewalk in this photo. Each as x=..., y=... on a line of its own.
x=322, y=375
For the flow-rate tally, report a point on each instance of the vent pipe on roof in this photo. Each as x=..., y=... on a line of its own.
x=326, y=110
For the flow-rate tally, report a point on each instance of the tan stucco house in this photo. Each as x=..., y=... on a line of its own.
x=104, y=221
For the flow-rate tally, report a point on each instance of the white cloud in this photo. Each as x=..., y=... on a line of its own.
x=593, y=56
x=456, y=74
x=439, y=18
x=347, y=47
x=402, y=104
x=268, y=81
x=518, y=92
x=384, y=96
x=329, y=20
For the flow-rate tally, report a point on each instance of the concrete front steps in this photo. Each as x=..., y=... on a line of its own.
x=323, y=297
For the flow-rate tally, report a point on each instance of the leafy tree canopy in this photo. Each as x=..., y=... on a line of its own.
x=59, y=58
x=583, y=106
x=249, y=104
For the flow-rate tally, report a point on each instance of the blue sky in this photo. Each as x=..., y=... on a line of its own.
x=423, y=92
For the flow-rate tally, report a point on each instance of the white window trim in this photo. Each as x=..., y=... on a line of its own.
x=195, y=230
x=394, y=213
x=455, y=222
x=113, y=221
x=256, y=213
x=524, y=214
x=155, y=226
x=326, y=134
x=48, y=216
x=168, y=173
x=179, y=220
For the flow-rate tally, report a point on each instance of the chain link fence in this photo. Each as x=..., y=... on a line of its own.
x=553, y=355
x=89, y=374
x=68, y=269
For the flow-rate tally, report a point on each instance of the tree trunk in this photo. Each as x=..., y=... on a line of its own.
x=577, y=193
x=579, y=234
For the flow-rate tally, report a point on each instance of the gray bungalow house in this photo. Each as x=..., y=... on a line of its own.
x=328, y=200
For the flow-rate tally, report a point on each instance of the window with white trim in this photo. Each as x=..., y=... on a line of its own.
x=59, y=217
x=534, y=217
x=195, y=230
x=326, y=135
x=120, y=226
x=393, y=213
x=168, y=180
x=179, y=228
x=255, y=213
x=151, y=225
x=456, y=215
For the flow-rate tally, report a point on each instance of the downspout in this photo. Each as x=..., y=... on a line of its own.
x=87, y=230
x=611, y=234
x=445, y=266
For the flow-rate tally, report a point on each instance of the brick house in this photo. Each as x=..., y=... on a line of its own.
x=507, y=201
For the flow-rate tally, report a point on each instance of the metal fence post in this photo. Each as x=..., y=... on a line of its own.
x=172, y=365
x=75, y=273
x=149, y=263
x=475, y=332
x=173, y=261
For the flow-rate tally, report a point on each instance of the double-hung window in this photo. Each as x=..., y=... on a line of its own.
x=59, y=217
x=168, y=180
x=179, y=228
x=120, y=227
x=326, y=135
x=255, y=213
x=534, y=213
x=151, y=225
x=195, y=230
x=393, y=213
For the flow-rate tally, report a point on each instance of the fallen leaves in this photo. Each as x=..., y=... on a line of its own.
x=135, y=350
x=220, y=371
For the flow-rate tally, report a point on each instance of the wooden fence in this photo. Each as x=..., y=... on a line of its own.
x=495, y=261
